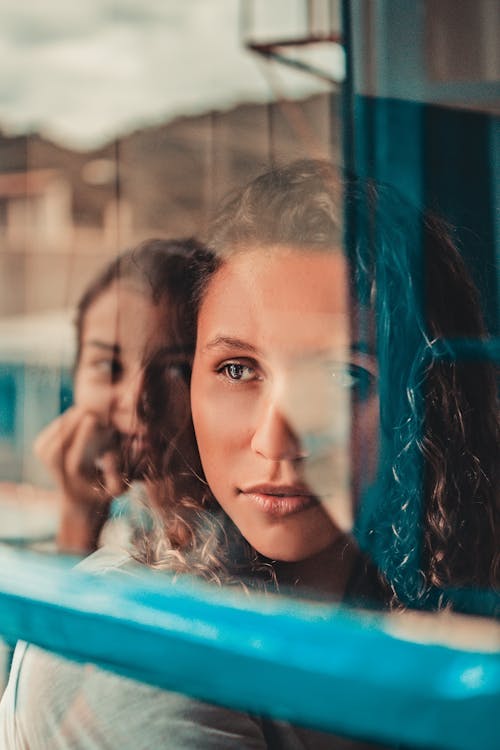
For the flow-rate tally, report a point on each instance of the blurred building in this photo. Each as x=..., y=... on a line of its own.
x=64, y=212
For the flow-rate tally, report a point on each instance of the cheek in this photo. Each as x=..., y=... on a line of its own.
x=365, y=440
x=204, y=415
x=221, y=423
x=92, y=395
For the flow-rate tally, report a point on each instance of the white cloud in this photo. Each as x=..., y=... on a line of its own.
x=83, y=71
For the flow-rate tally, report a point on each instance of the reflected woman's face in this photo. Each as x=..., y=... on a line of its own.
x=122, y=329
x=275, y=378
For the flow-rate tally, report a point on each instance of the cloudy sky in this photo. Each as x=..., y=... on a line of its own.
x=82, y=71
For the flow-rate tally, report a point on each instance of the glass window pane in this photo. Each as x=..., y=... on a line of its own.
x=248, y=374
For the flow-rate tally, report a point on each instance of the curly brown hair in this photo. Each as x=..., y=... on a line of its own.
x=430, y=520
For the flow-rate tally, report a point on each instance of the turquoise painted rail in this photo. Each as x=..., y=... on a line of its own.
x=325, y=667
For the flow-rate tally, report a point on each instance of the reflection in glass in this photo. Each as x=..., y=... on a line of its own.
x=340, y=346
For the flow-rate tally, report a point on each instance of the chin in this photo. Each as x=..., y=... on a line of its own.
x=287, y=551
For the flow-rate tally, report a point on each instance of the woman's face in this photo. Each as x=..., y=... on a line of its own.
x=121, y=330
x=280, y=395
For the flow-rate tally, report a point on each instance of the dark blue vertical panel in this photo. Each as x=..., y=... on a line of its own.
x=7, y=401
x=459, y=185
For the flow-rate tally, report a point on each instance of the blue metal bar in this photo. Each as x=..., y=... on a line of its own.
x=322, y=666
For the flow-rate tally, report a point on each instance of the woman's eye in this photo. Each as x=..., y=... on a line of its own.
x=111, y=368
x=237, y=371
x=355, y=378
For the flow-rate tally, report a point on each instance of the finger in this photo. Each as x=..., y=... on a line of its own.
x=76, y=458
x=57, y=427
x=56, y=435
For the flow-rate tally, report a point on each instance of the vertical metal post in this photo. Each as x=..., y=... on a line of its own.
x=347, y=92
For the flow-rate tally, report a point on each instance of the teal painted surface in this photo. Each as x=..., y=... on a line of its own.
x=443, y=158
x=320, y=666
x=7, y=402
x=30, y=397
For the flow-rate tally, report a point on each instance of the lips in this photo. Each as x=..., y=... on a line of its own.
x=279, y=499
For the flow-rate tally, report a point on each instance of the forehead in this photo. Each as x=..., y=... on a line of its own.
x=279, y=297
x=124, y=315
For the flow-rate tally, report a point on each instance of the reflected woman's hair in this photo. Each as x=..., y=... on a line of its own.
x=430, y=518
x=159, y=270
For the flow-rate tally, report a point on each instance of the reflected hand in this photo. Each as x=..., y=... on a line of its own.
x=82, y=455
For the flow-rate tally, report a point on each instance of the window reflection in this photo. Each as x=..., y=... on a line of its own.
x=299, y=406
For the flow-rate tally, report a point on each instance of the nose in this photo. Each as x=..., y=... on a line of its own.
x=126, y=406
x=273, y=438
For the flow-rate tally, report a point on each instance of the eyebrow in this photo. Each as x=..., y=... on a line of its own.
x=114, y=348
x=362, y=347
x=228, y=342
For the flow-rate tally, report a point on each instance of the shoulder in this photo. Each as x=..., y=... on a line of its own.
x=55, y=702
x=109, y=559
